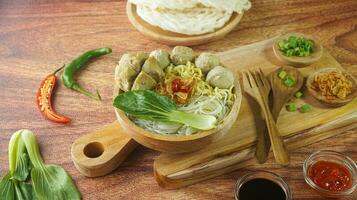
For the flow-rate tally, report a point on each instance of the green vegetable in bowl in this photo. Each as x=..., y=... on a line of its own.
x=149, y=105
x=296, y=46
x=48, y=181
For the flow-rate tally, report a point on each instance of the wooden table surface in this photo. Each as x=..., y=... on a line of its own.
x=36, y=37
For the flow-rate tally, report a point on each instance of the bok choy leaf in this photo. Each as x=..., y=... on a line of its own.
x=18, y=159
x=49, y=182
x=12, y=185
x=11, y=189
x=147, y=104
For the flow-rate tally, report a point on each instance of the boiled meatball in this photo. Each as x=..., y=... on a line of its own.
x=152, y=68
x=135, y=60
x=206, y=61
x=180, y=55
x=128, y=68
x=162, y=57
x=144, y=82
x=220, y=77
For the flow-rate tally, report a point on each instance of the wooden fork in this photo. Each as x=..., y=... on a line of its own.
x=256, y=86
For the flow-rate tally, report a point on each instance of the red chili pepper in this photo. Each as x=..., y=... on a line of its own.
x=175, y=85
x=44, y=95
x=184, y=89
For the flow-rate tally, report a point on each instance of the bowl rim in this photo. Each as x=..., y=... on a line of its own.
x=336, y=102
x=329, y=153
x=178, y=138
x=295, y=60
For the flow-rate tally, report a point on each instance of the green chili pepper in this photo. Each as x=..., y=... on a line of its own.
x=76, y=65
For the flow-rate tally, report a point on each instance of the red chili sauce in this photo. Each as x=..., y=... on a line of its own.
x=330, y=176
x=178, y=86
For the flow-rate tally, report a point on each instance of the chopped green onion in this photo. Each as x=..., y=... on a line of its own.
x=291, y=107
x=293, y=41
x=305, y=108
x=282, y=74
x=296, y=46
x=289, y=81
x=299, y=94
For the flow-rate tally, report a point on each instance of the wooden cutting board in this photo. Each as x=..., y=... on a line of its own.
x=236, y=148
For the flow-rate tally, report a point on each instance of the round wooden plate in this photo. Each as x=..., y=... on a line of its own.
x=172, y=38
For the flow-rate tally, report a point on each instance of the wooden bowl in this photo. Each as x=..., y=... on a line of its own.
x=178, y=143
x=294, y=60
x=331, y=102
x=171, y=38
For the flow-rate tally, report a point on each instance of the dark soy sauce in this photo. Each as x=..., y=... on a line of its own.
x=260, y=189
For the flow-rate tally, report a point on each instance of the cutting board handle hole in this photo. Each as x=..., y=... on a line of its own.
x=93, y=150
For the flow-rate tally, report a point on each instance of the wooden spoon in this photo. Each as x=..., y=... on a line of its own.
x=281, y=95
x=257, y=86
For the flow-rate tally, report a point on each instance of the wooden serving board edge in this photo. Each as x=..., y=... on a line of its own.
x=245, y=156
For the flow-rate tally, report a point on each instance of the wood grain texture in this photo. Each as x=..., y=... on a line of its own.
x=223, y=156
x=99, y=153
x=38, y=36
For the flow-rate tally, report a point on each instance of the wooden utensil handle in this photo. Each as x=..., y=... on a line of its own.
x=102, y=151
x=279, y=150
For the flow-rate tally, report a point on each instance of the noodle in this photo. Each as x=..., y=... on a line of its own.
x=204, y=99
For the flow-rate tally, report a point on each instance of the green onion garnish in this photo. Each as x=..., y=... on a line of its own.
x=296, y=46
x=282, y=74
x=289, y=81
x=305, y=108
x=291, y=107
x=299, y=94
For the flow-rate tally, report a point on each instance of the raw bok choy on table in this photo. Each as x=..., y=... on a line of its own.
x=25, y=163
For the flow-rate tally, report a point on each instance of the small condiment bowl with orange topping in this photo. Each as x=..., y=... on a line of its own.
x=332, y=86
x=330, y=173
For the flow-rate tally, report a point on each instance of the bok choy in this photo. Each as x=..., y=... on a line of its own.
x=150, y=105
x=48, y=181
